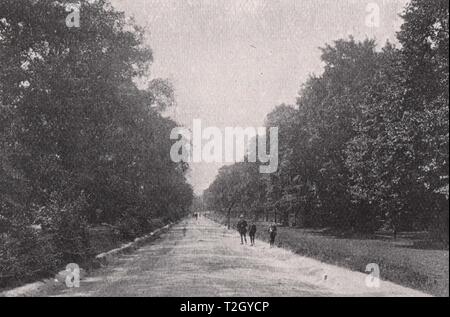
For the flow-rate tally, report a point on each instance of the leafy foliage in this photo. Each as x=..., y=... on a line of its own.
x=81, y=142
x=366, y=145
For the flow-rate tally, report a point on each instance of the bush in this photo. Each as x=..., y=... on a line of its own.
x=134, y=224
x=26, y=254
x=57, y=236
x=65, y=223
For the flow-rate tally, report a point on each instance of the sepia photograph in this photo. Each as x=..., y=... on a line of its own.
x=224, y=154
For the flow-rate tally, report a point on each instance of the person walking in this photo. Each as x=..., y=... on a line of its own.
x=242, y=228
x=252, y=234
x=272, y=234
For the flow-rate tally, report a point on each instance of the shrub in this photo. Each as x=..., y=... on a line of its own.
x=65, y=223
x=26, y=254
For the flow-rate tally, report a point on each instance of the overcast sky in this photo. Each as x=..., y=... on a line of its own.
x=233, y=61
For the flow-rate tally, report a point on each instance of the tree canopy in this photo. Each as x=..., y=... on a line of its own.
x=366, y=144
x=80, y=139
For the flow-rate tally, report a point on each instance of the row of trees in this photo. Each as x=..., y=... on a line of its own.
x=82, y=137
x=366, y=144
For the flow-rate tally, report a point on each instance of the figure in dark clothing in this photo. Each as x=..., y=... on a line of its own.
x=272, y=234
x=252, y=234
x=242, y=228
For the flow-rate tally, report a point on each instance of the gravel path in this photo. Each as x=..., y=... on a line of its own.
x=201, y=258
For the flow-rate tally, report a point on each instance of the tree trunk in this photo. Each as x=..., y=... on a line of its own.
x=297, y=216
x=287, y=212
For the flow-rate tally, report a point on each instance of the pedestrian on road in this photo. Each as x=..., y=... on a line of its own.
x=242, y=228
x=272, y=234
x=252, y=234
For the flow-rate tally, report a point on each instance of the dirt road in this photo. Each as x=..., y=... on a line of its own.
x=202, y=258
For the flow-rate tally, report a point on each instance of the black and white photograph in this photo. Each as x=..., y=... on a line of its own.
x=224, y=153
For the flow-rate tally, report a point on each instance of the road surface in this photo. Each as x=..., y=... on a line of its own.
x=201, y=258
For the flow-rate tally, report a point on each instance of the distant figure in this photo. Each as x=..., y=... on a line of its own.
x=252, y=234
x=242, y=228
x=272, y=234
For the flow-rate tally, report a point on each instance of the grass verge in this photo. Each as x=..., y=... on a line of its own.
x=399, y=262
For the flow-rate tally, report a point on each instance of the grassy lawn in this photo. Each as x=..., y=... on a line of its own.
x=399, y=260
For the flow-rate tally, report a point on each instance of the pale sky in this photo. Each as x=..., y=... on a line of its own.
x=232, y=61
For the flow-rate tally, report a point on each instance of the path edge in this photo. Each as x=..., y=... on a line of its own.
x=102, y=259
